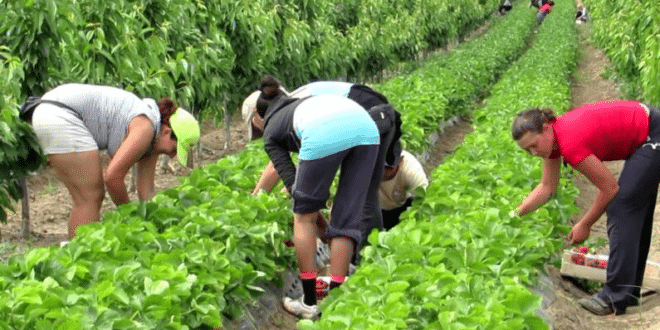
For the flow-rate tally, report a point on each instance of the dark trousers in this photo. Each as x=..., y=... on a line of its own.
x=384, y=116
x=392, y=217
x=630, y=220
x=371, y=215
x=311, y=189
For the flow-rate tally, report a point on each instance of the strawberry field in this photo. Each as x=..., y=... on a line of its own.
x=198, y=253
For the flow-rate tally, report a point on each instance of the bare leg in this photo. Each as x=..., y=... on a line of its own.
x=304, y=238
x=341, y=253
x=81, y=173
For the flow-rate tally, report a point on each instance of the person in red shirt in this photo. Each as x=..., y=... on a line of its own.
x=545, y=9
x=586, y=137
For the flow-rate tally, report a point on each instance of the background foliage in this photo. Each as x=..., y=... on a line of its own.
x=632, y=44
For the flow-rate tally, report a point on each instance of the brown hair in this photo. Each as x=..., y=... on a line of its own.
x=270, y=88
x=167, y=108
x=531, y=120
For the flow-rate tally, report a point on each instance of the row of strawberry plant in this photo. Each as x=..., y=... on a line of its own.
x=186, y=259
x=458, y=259
x=449, y=85
x=85, y=274
x=632, y=44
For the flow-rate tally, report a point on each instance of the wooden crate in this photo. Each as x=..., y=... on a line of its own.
x=651, y=274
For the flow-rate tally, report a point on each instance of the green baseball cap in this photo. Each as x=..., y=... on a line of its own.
x=186, y=129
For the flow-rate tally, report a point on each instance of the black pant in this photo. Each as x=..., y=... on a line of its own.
x=384, y=116
x=504, y=8
x=630, y=221
x=391, y=217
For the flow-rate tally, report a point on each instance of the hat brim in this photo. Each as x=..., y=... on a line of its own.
x=182, y=153
x=249, y=106
x=186, y=128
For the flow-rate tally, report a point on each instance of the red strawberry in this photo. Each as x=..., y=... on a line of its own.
x=592, y=262
x=581, y=249
x=322, y=288
x=602, y=263
x=321, y=284
x=578, y=259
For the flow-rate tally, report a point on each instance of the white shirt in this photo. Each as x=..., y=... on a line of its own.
x=394, y=192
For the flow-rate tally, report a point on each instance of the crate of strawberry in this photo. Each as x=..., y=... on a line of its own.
x=581, y=256
x=584, y=263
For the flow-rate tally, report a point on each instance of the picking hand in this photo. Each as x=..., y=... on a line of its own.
x=579, y=233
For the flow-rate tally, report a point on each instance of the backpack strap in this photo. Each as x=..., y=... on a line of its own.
x=57, y=103
x=32, y=102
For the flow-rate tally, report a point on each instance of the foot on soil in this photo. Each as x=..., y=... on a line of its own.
x=298, y=308
x=596, y=305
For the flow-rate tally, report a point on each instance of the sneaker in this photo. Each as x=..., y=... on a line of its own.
x=596, y=305
x=298, y=308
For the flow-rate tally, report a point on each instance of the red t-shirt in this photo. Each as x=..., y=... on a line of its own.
x=546, y=8
x=609, y=130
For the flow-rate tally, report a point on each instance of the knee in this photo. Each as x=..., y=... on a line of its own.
x=306, y=218
x=92, y=197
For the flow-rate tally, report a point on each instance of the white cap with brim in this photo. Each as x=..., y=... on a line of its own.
x=248, y=110
x=186, y=129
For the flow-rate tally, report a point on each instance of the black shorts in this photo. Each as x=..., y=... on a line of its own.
x=311, y=188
